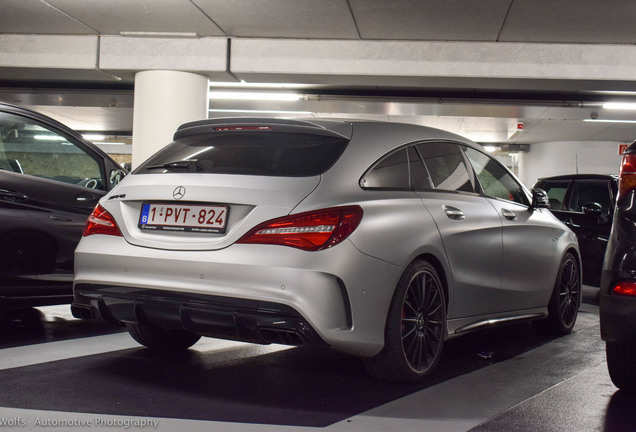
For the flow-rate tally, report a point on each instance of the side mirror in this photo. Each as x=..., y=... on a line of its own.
x=539, y=199
x=596, y=210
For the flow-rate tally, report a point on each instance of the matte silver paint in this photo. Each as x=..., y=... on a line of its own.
x=497, y=260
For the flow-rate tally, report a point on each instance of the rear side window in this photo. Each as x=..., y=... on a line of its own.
x=400, y=170
x=392, y=172
x=446, y=166
x=249, y=153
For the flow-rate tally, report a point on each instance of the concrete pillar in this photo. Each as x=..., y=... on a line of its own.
x=163, y=101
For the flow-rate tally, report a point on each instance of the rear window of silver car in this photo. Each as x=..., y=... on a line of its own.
x=248, y=153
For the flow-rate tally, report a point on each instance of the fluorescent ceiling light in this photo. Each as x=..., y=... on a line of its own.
x=158, y=34
x=613, y=92
x=49, y=138
x=490, y=149
x=244, y=84
x=620, y=105
x=94, y=137
x=224, y=95
x=608, y=121
x=261, y=111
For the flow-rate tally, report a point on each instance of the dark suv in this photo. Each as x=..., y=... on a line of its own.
x=618, y=282
x=585, y=203
x=50, y=181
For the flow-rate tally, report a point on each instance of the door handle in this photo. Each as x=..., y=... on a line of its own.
x=453, y=213
x=13, y=195
x=570, y=223
x=60, y=218
x=87, y=196
x=508, y=214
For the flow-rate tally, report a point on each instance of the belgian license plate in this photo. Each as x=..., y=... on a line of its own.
x=183, y=217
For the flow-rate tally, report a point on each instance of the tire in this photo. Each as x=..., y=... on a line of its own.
x=621, y=364
x=565, y=300
x=415, y=327
x=162, y=339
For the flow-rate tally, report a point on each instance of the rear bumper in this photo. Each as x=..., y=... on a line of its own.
x=219, y=317
x=618, y=318
x=339, y=294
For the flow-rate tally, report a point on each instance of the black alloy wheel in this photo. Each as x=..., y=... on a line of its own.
x=422, y=318
x=566, y=299
x=569, y=291
x=415, y=328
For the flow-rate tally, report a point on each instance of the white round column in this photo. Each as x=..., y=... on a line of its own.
x=163, y=101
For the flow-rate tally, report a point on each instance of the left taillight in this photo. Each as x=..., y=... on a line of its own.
x=627, y=288
x=311, y=231
x=101, y=222
x=627, y=177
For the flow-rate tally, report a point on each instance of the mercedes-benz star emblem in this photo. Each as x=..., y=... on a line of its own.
x=179, y=192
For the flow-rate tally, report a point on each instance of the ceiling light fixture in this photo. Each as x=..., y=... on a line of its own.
x=186, y=35
x=239, y=111
x=245, y=84
x=613, y=92
x=225, y=95
x=608, y=121
x=41, y=137
x=94, y=137
x=620, y=105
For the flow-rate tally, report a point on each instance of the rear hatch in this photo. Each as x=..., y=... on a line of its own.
x=220, y=178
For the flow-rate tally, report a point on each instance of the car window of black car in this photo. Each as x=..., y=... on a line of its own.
x=494, y=179
x=446, y=166
x=587, y=192
x=28, y=147
x=556, y=190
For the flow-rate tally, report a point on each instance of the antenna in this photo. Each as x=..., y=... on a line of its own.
x=576, y=156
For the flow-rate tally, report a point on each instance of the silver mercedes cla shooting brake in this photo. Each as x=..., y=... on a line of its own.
x=380, y=240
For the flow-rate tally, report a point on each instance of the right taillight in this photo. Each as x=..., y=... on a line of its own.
x=627, y=180
x=310, y=231
x=101, y=222
x=625, y=288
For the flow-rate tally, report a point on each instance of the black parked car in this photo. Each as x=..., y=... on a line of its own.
x=585, y=203
x=618, y=282
x=50, y=181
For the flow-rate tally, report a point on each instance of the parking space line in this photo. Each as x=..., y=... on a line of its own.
x=61, y=350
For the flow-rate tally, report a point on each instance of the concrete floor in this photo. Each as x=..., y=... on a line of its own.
x=63, y=374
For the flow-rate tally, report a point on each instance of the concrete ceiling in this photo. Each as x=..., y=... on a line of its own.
x=561, y=59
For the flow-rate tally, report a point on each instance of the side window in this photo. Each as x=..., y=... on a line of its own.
x=556, y=190
x=494, y=179
x=446, y=166
x=28, y=147
x=589, y=191
x=392, y=172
